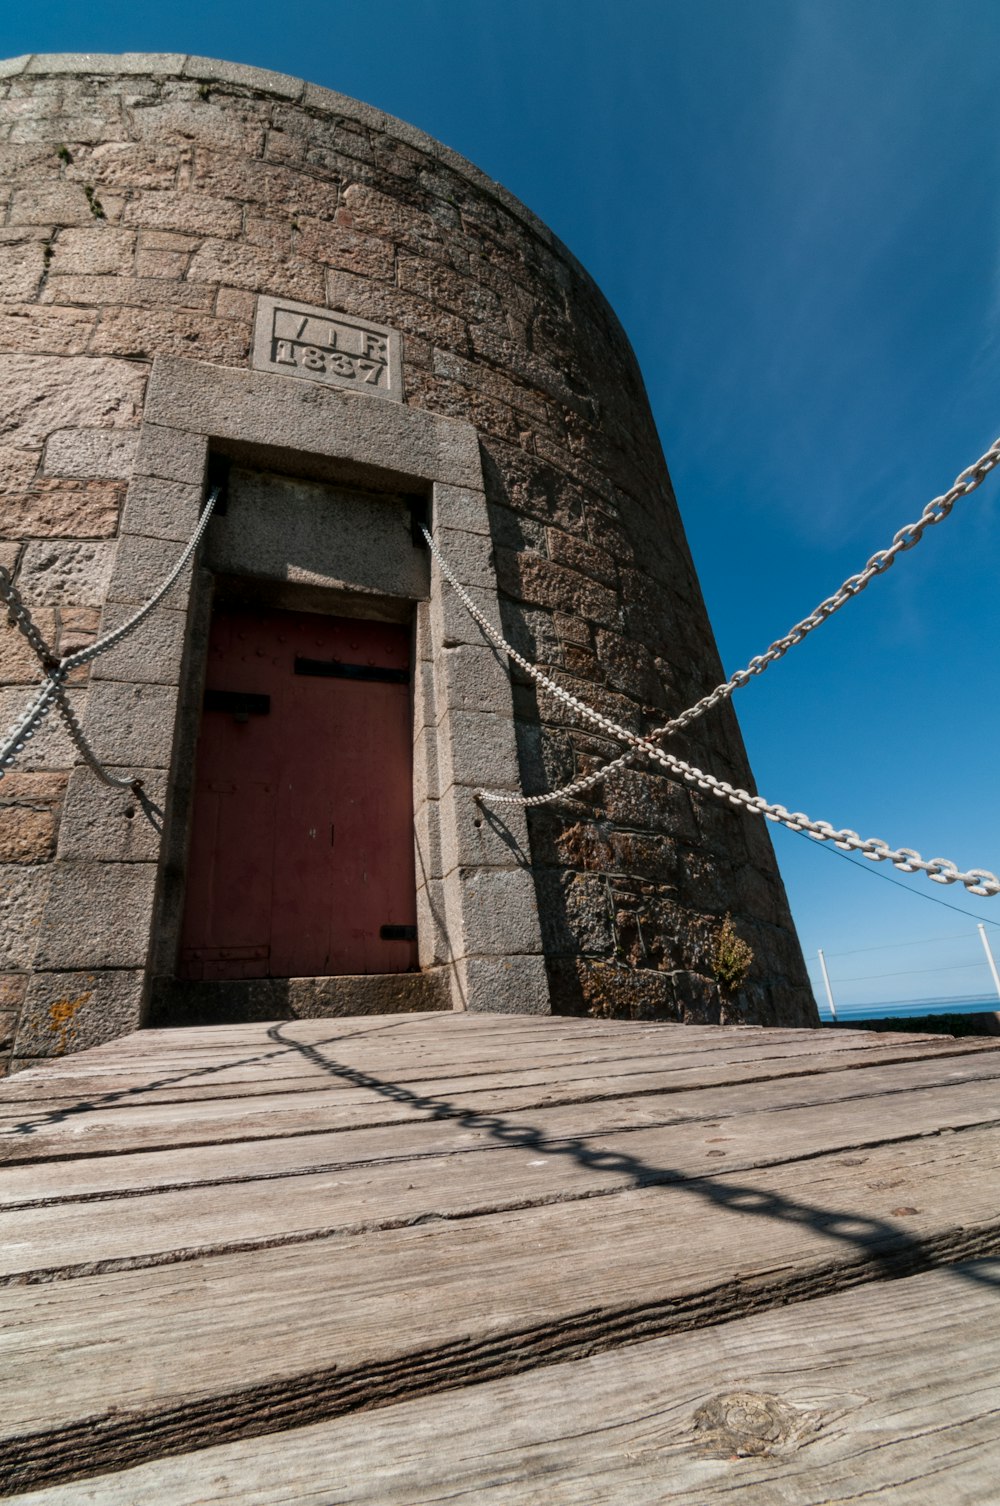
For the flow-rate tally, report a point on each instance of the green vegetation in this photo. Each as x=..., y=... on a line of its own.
x=732, y=957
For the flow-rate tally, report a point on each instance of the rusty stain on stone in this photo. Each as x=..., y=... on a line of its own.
x=61, y=1020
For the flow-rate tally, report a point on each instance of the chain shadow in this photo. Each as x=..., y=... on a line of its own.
x=40, y=1121
x=887, y=1246
x=891, y=1249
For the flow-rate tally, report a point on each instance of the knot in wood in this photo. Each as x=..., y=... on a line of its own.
x=749, y=1422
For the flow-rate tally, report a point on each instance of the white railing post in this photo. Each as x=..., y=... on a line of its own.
x=826, y=980
x=989, y=956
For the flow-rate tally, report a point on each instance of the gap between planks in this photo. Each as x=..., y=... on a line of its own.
x=534, y=1165
x=841, y=1398
x=128, y=1366
x=357, y=1141
x=81, y=1130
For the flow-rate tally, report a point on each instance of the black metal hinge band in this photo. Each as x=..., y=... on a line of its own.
x=336, y=669
x=237, y=702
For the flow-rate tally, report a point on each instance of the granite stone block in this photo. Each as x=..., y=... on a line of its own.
x=61, y=507
x=21, y=269
x=131, y=724
x=258, y=80
x=162, y=509
x=478, y=834
x=78, y=252
x=43, y=393
x=124, y=64
x=434, y=946
x=23, y=893
x=91, y=454
x=17, y=469
x=462, y=508
x=45, y=330
x=65, y=572
x=27, y=835
x=72, y=1010
x=152, y=653
x=96, y=916
x=50, y=747
x=172, y=455
x=469, y=556
x=163, y=208
x=19, y=664
x=494, y=912
x=257, y=270
x=51, y=203
x=113, y=826
x=474, y=678
x=141, y=333
x=477, y=749
x=112, y=289
x=427, y=840
x=503, y=985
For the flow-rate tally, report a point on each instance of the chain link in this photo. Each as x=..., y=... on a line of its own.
x=906, y=538
x=23, y=730
x=941, y=870
x=53, y=692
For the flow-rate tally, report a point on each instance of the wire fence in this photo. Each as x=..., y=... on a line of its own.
x=841, y=994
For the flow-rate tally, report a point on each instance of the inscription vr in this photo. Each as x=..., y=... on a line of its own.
x=298, y=340
x=325, y=346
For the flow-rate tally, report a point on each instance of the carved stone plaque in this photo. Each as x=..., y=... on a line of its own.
x=294, y=339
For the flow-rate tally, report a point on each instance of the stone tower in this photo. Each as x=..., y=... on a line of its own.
x=214, y=272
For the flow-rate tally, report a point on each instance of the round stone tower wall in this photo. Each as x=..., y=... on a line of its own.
x=151, y=206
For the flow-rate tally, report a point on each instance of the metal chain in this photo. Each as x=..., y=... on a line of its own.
x=84, y=655
x=69, y=716
x=907, y=537
x=910, y=535
x=53, y=690
x=941, y=870
x=24, y=730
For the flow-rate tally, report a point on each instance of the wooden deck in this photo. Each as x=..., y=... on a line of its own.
x=427, y=1258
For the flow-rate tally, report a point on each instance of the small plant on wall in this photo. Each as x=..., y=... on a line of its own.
x=732, y=958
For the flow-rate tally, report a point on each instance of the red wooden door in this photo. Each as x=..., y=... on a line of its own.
x=301, y=860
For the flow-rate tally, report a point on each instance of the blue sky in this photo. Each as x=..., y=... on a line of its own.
x=794, y=207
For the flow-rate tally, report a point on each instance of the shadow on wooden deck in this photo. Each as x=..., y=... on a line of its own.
x=234, y=1234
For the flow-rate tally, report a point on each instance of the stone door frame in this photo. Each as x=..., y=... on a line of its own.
x=113, y=878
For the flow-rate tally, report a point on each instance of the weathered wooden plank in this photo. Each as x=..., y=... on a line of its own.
x=845, y=1398
x=297, y=1065
x=304, y=1066
x=151, y=1361
x=476, y=1171
x=455, y=1037
x=340, y=1078
x=420, y=1027
x=288, y=1070
x=363, y=1095
x=355, y=1144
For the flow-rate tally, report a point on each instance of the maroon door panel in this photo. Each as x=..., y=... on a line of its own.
x=301, y=860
